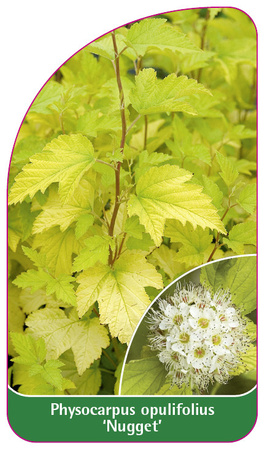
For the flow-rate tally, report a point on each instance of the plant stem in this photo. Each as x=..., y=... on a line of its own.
x=121, y=93
x=145, y=131
x=104, y=222
x=123, y=50
x=138, y=65
x=122, y=242
x=109, y=358
x=115, y=344
x=133, y=123
x=123, y=135
x=106, y=370
x=95, y=311
x=204, y=29
x=106, y=163
x=61, y=122
x=217, y=245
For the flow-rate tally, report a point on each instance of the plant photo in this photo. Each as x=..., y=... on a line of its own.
x=134, y=164
x=200, y=339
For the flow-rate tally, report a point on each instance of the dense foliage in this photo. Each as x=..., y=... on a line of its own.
x=135, y=163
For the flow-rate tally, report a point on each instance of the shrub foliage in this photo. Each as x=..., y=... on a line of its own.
x=135, y=163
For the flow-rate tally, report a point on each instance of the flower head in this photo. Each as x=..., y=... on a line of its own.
x=199, y=336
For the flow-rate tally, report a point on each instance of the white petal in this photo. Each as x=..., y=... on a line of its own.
x=163, y=324
x=193, y=323
x=230, y=311
x=227, y=340
x=219, y=350
x=195, y=312
x=233, y=323
x=213, y=364
x=178, y=348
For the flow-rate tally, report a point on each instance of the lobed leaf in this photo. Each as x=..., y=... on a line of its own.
x=62, y=288
x=247, y=198
x=96, y=250
x=30, y=351
x=167, y=259
x=173, y=93
x=119, y=292
x=35, y=279
x=228, y=171
x=162, y=193
x=64, y=160
x=86, y=337
x=240, y=235
x=86, y=384
x=155, y=33
x=58, y=248
x=54, y=213
x=195, y=242
x=48, y=95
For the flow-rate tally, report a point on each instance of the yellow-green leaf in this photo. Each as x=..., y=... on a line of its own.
x=39, y=259
x=162, y=193
x=50, y=372
x=64, y=160
x=195, y=242
x=173, y=93
x=58, y=248
x=14, y=228
x=16, y=316
x=155, y=33
x=54, y=213
x=96, y=250
x=30, y=302
x=30, y=351
x=236, y=274
x=63, y=288
x=35, y=279
x=143, y=376
x=167, y=259
x=82, y=225
x=86, y=384
x=248, y=361
x=104, y=46
x=247, y=198
x=228, y=172
x=119, y=292
x=241, y=234
x=86, y=337
x=49, y=94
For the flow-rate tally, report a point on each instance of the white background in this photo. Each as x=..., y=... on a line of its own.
x=36, y=38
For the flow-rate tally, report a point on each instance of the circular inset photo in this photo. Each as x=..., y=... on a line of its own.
x=198, y=337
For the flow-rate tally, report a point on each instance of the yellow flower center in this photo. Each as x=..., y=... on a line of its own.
x=184, y=338
x=199, y=352
x=178, y=319
x=216, y=340
x=203, y=323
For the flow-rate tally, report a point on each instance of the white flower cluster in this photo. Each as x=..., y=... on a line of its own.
x=199, y=336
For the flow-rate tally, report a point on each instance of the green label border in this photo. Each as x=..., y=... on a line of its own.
x=233, y=418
